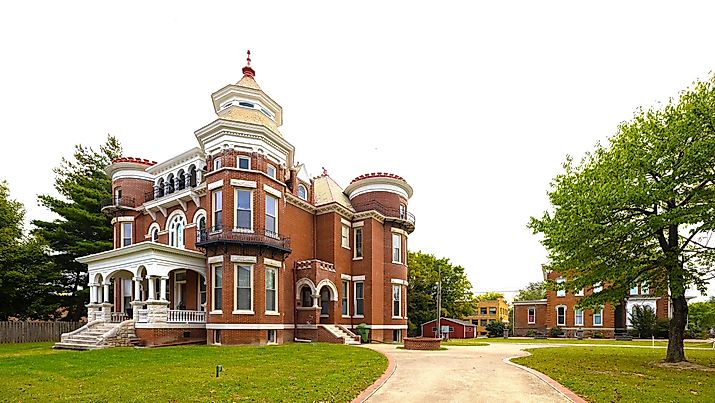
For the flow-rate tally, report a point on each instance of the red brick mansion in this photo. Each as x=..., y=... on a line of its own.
x=232, y=242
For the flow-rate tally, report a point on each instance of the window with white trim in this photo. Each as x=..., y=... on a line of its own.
x=271, y=171
x=217, y=210
x=126, y=233
x=396, y=300
x=359, y=298
x=271, y=336
x=579, y=293
x=357, y=233
x=244, y=210
x=243, y=162
x=176, y=231
x=202, y=293
x=598, y=287
x=155, y=235
x=560, y=291
x=217, y=163
x=645, y=290
x=396, y=248
x=244, y=288
x=403, y=211
x=345, y=298
x=302, y=192
x=531, y=315
x=634, y=290
x=271, y=215
x=578, y=317
x=561, y=315
x=216, y=287
x=598, y=317
x=271, y=290
x=345, y=236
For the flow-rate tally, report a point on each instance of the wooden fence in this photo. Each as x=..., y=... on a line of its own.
x=25, y=332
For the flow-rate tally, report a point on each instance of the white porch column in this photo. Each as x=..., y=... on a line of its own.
x=162, y=295
x=152, y=291
x=137, y=288
x=106, y=292
x=92, y=294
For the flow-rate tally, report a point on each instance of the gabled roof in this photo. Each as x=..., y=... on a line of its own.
x=326, y=190
x=461, y=322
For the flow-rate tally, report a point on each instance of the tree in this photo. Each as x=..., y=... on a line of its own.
x=533, y=291
x=644, y=321
x=701, y=315
x=495, y=329
x=488, y=296
x=423, y=275
x=28, y=282
x=640, y=209
x=81, y=228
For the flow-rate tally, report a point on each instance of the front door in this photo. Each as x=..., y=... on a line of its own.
x=324, y=302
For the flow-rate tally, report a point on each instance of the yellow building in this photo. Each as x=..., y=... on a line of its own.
x=489, y=311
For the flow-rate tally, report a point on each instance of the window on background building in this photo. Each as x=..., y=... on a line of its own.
x=560, y=292
x=244, y=210
x=598, y=317
x=271, y=290
x=243, y=163
x=217, y=163
x=578, y=317
x=359, y=298
x=482, y=311
x=597, y=287
x=218, y=210
x=345, y=236
x=271, y=215
x=217, y=288
x=492, y=310
x=345, y=308
x=302, y=192
x=579, y=293
x=561, y=316
x=482, y=322
x=271, y=171
x=396, y=298
x=644, y=288
x=176, y=231
x=126, y=233
x=243, y=288
x=396, y=248
x=531, y=316
x=634, y=290
x=306, y=297
x=358, y=242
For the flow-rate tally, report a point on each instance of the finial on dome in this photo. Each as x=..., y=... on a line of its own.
x=248, y=70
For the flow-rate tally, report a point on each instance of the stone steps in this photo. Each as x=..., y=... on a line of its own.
x=89, y=339
x=348, y=338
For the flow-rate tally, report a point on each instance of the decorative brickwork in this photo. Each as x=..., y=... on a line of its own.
x=422, y=343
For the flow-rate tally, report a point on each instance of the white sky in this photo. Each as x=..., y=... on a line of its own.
x=476, y=105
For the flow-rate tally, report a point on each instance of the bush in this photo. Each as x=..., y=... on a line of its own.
x=531, y=333
x=363, y=331
x=598, y=335
x=495, y=329
x=644, y=321
x=662, y=327
x=556, y=331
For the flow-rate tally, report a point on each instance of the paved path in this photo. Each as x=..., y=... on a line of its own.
x=461, y=374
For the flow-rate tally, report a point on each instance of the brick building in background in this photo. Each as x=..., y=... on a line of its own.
x=559, y=310
x=232, y=242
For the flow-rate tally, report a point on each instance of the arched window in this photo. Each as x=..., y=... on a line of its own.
x=155, y=235
x=180, y=180
x=192, y=176
x=306, y=297
x=324, y=301
x=170, y=184
x=159, y=191
x=302, y=192
x=176, y=231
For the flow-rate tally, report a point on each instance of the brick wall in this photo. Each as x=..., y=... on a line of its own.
x=166, y=337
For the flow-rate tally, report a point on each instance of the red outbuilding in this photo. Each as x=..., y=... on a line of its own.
x=451, y=329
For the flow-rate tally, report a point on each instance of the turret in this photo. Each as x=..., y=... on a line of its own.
x=386, y=193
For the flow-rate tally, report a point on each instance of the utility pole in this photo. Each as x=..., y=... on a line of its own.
x=439, y=304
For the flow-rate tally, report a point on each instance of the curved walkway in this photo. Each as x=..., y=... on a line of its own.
x=462, y=374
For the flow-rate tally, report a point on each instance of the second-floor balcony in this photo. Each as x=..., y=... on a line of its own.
x=393, y=214
x=243, y=236
x=118, y=202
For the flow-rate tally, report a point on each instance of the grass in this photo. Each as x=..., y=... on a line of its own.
x=290, y=372
x=612, y=374
x=658, y=343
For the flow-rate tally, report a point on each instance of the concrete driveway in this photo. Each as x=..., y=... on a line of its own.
x=461, y=374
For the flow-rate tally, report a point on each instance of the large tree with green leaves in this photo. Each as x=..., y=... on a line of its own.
x=641, y=209
x=488, y=296
x=81, y=228
x=28, y=282
x=423, y=276
x=701, y=316
x=533, y=291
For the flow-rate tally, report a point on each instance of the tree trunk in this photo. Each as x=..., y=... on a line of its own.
x=676, y=352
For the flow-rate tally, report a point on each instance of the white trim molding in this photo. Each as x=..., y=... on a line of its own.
x=272, y=262
x=275, y=192
x=398, y=281
x=122, y=219
x=243, y=183
x=359, y=224
x=215, y=259
x=250, y=326
x=243, y=259
x=215, y=185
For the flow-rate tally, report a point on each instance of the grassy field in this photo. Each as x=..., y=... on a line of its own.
x=612, y=374
x=658, y=343
x=291, y=372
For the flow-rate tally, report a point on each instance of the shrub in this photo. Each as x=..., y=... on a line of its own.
x=598, y=335
x=495, y=329
x=661, y=328
x=531, y=333
x=556, y=331
x=363, y=331
x=644, y=321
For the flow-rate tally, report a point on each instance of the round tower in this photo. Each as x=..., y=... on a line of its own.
x=386, y=193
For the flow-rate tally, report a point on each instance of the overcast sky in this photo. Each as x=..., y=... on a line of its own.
x=475, y=105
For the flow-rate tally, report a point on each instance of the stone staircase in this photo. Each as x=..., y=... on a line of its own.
x=344, y=333
x=99, y=334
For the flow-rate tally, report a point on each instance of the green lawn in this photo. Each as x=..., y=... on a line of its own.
x=658, y=343
x=612, y=374
x=290, y=372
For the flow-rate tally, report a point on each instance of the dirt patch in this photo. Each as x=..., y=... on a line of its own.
x=685, y=365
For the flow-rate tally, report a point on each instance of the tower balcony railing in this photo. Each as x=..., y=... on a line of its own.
x=118, y=202
x=390, y=212
x=244, y=236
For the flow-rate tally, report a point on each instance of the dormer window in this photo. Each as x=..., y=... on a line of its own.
x=271, y=171
x=302, y=192
x=246, y=104
x=243, y=163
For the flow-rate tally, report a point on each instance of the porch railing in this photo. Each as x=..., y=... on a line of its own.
x=118, y=317
x=184, y=316
x=142, y=315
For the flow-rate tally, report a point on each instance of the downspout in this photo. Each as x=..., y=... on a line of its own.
x=295, y=307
